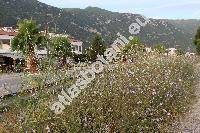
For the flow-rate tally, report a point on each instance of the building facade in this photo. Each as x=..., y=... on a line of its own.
x=8, y=58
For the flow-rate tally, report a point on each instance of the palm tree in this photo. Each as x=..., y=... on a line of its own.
x=26, y=41
x=62, y=48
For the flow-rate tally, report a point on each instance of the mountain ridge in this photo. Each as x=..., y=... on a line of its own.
x=84, y=24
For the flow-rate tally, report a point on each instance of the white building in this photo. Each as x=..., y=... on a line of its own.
x=171, y=51
x=6, y=56
x=78, y=46
x=190, y=54
x=8, y=59
x=6, y=35
x=148, y=49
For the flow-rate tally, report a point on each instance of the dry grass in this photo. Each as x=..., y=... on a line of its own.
x=146, y=95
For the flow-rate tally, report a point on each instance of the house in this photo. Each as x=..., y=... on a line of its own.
x=78, y=45
x=148, y=49
x=7, y=57
x=190, y=54
x=171, y=51
x=6, y=35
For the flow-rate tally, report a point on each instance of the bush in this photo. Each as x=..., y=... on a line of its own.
x=160, y=48
x=147, y=95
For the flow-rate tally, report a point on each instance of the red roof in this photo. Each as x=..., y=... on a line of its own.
x=72, y=39
x=8, y=31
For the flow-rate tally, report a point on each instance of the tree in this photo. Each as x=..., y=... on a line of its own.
x=97, y=48
x=159, y=48
x=26, y=41
x=80, y=57
x=197, y=41
x=133, y=46
x=62, y=48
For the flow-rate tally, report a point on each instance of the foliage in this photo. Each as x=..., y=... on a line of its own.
x=80, y=58
x=61, y=47
x=147, y=95
x=26, y=42
x=159, y=48
x=97, y=48
x=197, y=41
x=133, y=46
x=27, y=38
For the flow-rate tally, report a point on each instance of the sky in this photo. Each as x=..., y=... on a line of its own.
x=170, y=9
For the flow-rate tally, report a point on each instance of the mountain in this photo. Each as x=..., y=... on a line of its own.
x=84, y=24
x=189, y=25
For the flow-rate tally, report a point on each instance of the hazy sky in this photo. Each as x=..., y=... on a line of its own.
x=173, y=9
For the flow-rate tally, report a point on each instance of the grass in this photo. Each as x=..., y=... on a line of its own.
x=146, y=95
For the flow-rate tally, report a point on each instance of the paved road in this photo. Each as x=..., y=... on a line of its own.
x=9, y=83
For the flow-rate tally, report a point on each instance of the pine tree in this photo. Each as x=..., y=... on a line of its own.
x=97, y=48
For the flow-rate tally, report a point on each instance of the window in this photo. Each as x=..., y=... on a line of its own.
x=5, y=42
x=80, y=48
x=1, y=44
x=40, y=47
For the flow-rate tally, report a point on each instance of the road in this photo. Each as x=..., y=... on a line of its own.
x=9, y=83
